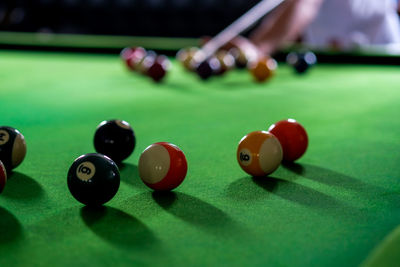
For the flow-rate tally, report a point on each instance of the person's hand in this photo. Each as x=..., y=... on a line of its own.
x=247, y=47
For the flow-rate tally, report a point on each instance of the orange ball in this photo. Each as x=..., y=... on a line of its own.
x=259, y=153
x=263, y=69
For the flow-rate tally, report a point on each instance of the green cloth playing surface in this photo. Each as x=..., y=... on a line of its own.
x=339, y=205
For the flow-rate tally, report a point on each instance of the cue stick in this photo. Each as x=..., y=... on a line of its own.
x=243, y=23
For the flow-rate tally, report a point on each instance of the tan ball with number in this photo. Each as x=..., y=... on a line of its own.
x=259, y=153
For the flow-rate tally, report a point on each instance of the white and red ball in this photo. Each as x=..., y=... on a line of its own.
x=162, y=166
x=3, y=176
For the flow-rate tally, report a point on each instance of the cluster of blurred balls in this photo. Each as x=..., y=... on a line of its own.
x=234, y=55
x=146, y=63
x=226, y=59
x=261, y=67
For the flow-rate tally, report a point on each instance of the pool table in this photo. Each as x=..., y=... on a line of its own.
x=338, y=205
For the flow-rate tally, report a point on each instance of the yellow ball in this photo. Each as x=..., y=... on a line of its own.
x=185, y=56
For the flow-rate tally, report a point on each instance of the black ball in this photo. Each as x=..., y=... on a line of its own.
x=12, y=147
x=93, y=179
x=240, y=56
x=208, y=68
x=115, y=139
x=159, y=68
x=301, y=62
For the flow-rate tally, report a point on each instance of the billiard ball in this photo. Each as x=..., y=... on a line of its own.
x=159, y=68
x=259, y=153
x=292, y=136
x=162, y=166
x=93, y=179
x=12, y=147
x=132, y=55
x=115, y=139
x=301, y=62
x=208, y=68
x=144, y=64
x=226, y=60
x=240, y=56
x=186, y=57
x=182, y=54
x=263, y=69
x=126, y=52
x=136, y=57
x=3, y=176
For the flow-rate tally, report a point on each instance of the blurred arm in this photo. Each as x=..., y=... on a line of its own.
x=286, y=23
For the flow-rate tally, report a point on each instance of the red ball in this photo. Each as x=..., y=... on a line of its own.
x=159, y=68
x=162, y=166
x=293, y=138
x=127, y=52
x=3, y=177
x=126, y=55
x=132, y=56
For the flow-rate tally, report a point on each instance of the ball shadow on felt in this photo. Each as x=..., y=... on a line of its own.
x=300, y=194
x=196, y=212
x=22, y=187
x=265, y=188
x=118, y=228
x=249, y=188
x=10, y=227
x=336, y=179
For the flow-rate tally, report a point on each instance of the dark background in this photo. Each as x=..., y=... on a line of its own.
x=141, y=18
x=167, y=18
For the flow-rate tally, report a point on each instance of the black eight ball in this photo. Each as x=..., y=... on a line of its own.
x=93, y=179
x=115, y=139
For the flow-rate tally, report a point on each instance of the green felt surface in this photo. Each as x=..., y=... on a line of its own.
x=335, y=207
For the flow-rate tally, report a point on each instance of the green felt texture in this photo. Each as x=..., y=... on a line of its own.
x=332, y=208
x=387, y=253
